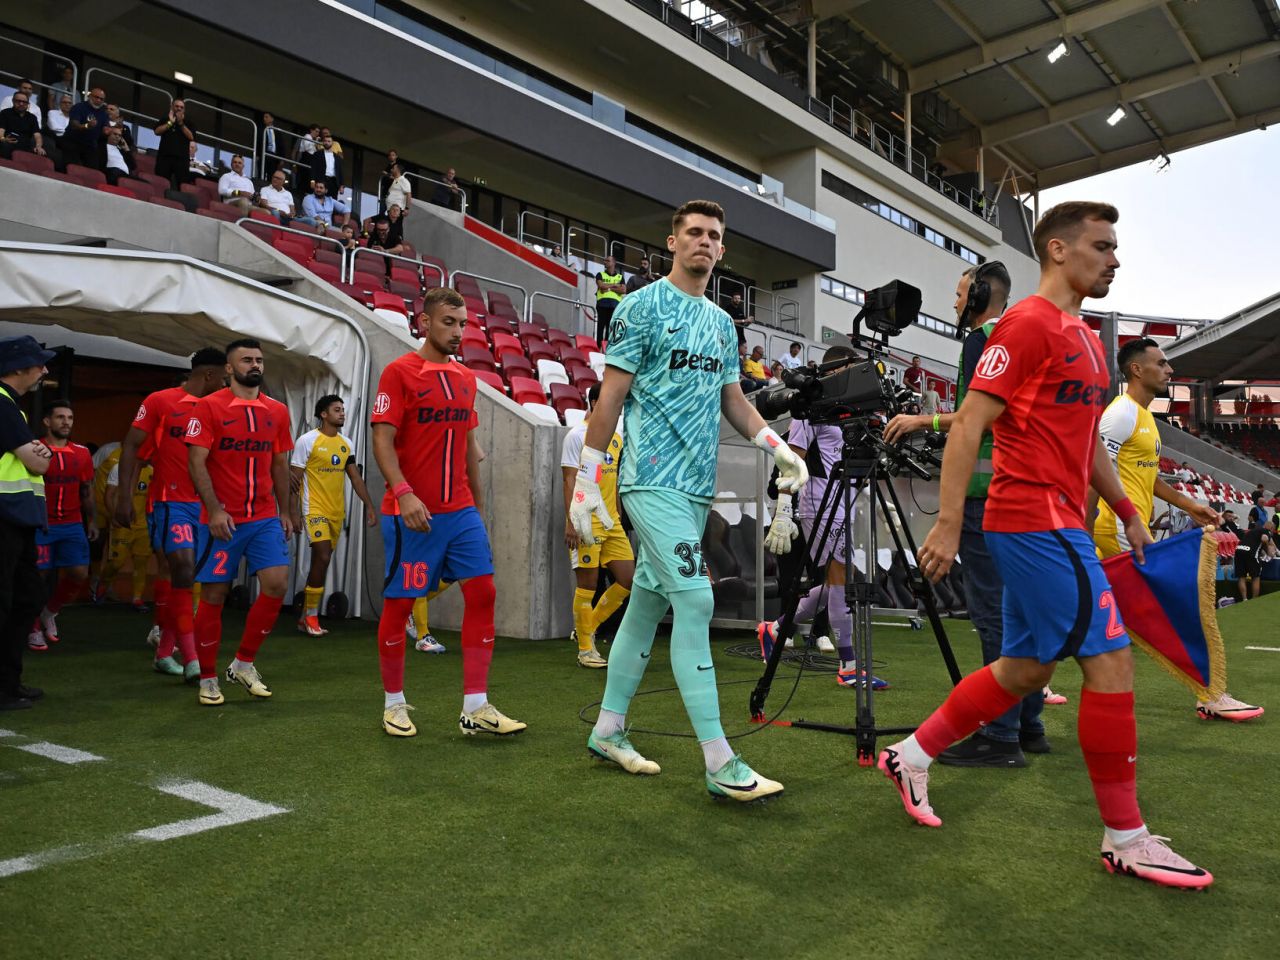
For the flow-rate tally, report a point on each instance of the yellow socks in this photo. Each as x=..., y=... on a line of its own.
x=610, y=601
x=420, y=616
x=583, y=620
x=311, y=601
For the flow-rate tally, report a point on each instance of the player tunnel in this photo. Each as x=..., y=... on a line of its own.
x=133, y=317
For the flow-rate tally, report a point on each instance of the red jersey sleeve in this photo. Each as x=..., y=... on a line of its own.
x=388, y=405
x=148, y=416
x=201, y=426
x=1015, y=350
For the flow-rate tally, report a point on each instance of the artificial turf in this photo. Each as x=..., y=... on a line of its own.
x=447, y=846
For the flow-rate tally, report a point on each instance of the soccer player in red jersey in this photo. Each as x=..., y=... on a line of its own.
x=423, y=440
x=64, y=544
x=1041, y=385
x=157, y=435
x=239, y=443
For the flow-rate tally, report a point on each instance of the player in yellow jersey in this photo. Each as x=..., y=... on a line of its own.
x=321, y=463
x=104, y=460
x=1133, y=441
x=612, y=549
x=130, y=544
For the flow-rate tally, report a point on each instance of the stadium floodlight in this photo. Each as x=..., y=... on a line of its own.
x=183, y=77
x=1058, y=52
x=1116, y=116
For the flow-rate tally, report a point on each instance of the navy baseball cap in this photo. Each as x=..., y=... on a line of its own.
x=18, y=353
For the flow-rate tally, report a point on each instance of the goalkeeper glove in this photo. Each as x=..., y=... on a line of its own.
x=587, y=502
x=783, y=529
x=792, y=474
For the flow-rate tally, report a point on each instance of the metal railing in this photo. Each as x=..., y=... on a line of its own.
x=581, y=310
x=45, y=52
x=623, y=245
x=780, y=311
x=462, y=192
x=586, y=251
x=414, y=261
x=524, y=303
x=526, y=237
x=243, y=147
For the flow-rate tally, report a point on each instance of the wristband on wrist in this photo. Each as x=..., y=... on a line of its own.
x=937, y=422
x=1124, y=509
x=401, y=488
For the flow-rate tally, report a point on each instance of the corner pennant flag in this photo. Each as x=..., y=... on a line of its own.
x=1168, y=605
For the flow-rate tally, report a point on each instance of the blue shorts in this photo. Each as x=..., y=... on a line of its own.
x=260, y=542
x=1057, y=602
x=456, y=547
x=172, y=525
x=64, y=545
x=669, y=526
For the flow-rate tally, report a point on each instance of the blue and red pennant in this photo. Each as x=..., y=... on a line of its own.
x=1169, y=607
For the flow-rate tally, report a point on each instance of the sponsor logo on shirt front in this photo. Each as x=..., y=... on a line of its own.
x=243, y=446
x=1075, y=391
x=443, y=415
x=683, y=359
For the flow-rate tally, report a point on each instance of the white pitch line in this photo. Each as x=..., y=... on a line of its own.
x=34, y=861
x=51, y=751
x=232, y=808
x=1265, y=649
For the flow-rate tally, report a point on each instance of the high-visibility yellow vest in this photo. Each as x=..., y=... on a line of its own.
x=21, y=491
x=609, y=278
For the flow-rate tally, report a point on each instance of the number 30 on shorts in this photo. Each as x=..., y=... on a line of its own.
x=691, y=564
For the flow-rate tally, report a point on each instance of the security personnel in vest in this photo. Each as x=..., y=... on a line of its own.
x=23, y=462
x=981, y=296
x=609, y=290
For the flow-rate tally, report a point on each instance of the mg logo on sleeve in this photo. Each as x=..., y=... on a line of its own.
x=381, y=404
x=993, y=362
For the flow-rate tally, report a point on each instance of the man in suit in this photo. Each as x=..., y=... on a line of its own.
x=326, y=166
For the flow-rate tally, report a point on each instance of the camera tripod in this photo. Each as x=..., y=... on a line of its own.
x=862, y=465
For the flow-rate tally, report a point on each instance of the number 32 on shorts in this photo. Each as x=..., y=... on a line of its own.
x=691, y=564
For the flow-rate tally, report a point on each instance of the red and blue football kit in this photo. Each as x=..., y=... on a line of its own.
x=64, y=543
x=1049, y=369
x=432, y=407
x=242, y=437
x=172, y=502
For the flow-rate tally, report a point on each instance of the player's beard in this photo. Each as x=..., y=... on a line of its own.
x=251, y=379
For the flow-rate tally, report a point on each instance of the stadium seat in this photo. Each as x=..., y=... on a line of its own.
x=539, y=321
x=117, y=191
x=499, y=325
x=325, y=271
x=569, y=354
x=219, y=215
x=147, y=165
x=189, y=203
x=516, y=365
x=355, y=293
x=85, y=176
x=474, y=335
x=433, y=279
x=406, y=275
x=368, y=281
x=554, y=335
x=586, y=344
x=191, y=190
x=139, y=188
x=573, y=416
x=498, y=299
x=388, y=301
x=492, y=379
x=564, y=397
x=257, y=213
x=406, y=291
x=502, y=340
x=524, y=390
x=478, y=358
x=543, y=412
x=160, y=183
x=474, y=304
x=537, y=350
x=549, y=372
x=583, y=379
x=32, y=162
x=163, y=202
x=327, y=254
x=596, y=360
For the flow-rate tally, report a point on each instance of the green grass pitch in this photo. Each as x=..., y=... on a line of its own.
x=446, y=846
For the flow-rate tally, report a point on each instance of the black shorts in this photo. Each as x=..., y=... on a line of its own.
x=1247, y=564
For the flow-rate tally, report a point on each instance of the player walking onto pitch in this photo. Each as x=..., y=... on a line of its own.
x=673, y=360
x=1133, y=442
x=131, y=544
x=1040, y=385
x=158, y=435
x=424, y=442
x=321, y=463
x=239, y=443
x=612, y=549
x=63, y=546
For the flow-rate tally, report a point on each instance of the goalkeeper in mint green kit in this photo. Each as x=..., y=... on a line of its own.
x=672, y=360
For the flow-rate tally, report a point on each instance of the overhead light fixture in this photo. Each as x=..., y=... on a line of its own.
x=1116, y=116
x=183, y=77
x=1058, y=52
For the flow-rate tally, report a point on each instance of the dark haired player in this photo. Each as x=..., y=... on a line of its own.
x=424, y=442
x=239, y=442
x=1041, y=384
x=673, y=361
x=158, y=435
x=321, y=464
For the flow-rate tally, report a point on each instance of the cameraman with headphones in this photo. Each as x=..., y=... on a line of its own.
x=981, y=296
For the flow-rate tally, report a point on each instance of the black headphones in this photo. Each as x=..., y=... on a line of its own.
x=979, y=297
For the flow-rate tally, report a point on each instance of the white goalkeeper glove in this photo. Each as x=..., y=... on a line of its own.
x=587, y=502
x=792, y=474
x=783, y=529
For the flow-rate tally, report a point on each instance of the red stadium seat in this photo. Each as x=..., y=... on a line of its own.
x=432, y=278
x=160, y=183
x=388, y=301
x=171, y=204
x=504, y=310
x=139, y=188
x=539, y=321
x=404, y=274
x=85, y=176
x=327, y=254
x=537, y=350
x=406, y=291
x=586, y=344
x=191, y=190
x=565, y=397
x=525, y=390
x=32, y=162
x=555, y=335
x=368, y=281
x=569, y=354
x=516, y=365
x=499, y=325
x=325, y=271
x=583, y=380
x=355, y=293
x=219, y=215
x=492, y=379
x=500, y=339
x=474, y=305
x=478, y=358
x=147, y=165
x=475, y=336
x=117, y=191
x=531, y=330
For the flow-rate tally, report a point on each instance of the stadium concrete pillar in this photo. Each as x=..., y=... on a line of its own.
x=811, y=58
x=1108, y=335
x=906, y=113
x=982, y=172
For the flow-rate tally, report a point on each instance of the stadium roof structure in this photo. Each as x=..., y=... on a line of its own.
x=1185, y=72
x=1244, y=346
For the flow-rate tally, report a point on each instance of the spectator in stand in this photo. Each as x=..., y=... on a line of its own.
x=115, y=159
x=64, y=87
x=176, y=150
x=738, y=314
x=1230, y=524
x=275, y=198
x=447, y=192
x=609, y=291
x=395, y=225
x=319, y=208
x=381, y=239
x=749, y=381
x=306, y=145
x=399, y=192
x=33, y=101
x=58, y=118
x=18, y=128
x=1257, y=513
x=84, y=129
x=271, y=159
x=775, y=373
x=913, y=376
x=349, y=239
x=115, y=121
x=791, y=359
x=237, y=189
x=385, y=179
x=195, y=166
x=337, y=147
x=641, y=278
x=326, y=166
x=1186, y=474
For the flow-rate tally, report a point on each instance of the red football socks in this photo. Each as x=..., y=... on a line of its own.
x=161, y=590
x=208, y=629
x=63, y=593
x=975, y=700
x=1109, y=741
x=183, y=621
x=262, y=617
x=395, y=614
x=478, y=595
